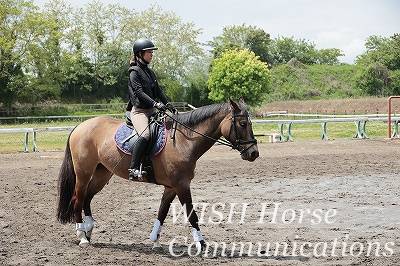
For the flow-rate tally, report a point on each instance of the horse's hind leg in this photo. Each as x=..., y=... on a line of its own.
x=99, y=179
x=168, y=196
x=84, y=173
x=80, y=192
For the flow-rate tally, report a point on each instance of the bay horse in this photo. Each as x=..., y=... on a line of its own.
x=92, y=158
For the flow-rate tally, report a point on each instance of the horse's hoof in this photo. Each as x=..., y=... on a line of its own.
x=157, y=245
x=89, y=235
x=84, y=243
x=158, y=248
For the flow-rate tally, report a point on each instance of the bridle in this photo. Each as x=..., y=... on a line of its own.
x=238, y=142
x=237, y=145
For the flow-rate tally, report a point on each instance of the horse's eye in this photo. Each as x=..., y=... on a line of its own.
x=243, y=123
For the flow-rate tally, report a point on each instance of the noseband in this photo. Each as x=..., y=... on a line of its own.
x=238, y=145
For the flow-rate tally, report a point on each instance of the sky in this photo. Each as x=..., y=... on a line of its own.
x=343, y=24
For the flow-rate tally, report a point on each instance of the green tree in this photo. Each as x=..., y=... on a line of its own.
x=30, y=49
x=329, y=56
x=373, y=80
x=242, y=37
x=175, y=39
x=239, y=73
x=385, y=51
x=258, y=41
x=380, y=64
x=196, y=82
x=83, y=54
x=17, y=29
x=394, y=77
x=46, y=53
x=283, y=49
x=174, y=90
x=112, y=37
x=77, y=68
x=100, y=43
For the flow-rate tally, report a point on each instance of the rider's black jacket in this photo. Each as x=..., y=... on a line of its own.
x=143, y=88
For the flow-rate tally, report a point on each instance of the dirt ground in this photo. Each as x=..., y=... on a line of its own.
x=336, y=202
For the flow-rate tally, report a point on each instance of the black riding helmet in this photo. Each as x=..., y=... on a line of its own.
x=143, y=45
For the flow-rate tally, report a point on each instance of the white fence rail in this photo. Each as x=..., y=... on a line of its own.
x=33, y=131
x=360, y=123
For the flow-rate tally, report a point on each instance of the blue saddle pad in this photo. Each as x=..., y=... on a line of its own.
x=125, y=142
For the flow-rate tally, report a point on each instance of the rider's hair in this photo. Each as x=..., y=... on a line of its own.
x=133, y=60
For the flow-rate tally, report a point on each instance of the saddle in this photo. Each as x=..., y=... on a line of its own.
x=126, y=136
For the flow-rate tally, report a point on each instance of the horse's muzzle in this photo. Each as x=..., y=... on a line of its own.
x=251, y=154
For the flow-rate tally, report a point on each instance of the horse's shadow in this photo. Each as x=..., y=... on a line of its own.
x=181, y=251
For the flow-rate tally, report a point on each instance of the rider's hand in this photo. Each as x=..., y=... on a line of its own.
x=171, y=108
x=161, y=107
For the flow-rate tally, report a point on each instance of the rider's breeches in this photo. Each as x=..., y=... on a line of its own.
x=140, y=120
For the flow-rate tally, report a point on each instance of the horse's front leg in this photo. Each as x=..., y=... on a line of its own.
x=185, y=197
x=168, y=196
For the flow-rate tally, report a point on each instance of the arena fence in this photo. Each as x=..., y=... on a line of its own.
x=360, y=129
x=34, y=132
x=360, y=123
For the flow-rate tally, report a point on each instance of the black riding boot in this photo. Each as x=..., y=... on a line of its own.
x=138, y=149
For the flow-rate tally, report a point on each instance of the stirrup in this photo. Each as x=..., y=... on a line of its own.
x=137, y=174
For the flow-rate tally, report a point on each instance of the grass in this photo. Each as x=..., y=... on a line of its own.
x=11, y=143
x=45, y=141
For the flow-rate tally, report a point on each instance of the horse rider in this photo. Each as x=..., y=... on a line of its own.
x=144, y=96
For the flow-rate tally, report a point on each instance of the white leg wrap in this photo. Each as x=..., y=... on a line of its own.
x=80, y=233
x=197, y=236
x=154, y=235
x=80, y=227
x=89, y=224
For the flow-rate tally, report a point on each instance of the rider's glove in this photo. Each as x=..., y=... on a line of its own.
x=161, y=107
x=171, y=108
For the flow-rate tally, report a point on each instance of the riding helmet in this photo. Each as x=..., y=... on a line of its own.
x=143, y=45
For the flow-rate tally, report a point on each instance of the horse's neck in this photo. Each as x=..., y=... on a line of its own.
x=210, y=127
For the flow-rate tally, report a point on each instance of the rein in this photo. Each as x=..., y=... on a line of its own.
x=238, y=143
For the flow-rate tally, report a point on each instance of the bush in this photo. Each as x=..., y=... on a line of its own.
x=239, y=73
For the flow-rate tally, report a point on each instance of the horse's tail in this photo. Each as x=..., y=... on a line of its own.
x=66, y=187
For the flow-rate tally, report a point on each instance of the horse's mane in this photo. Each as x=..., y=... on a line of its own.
x=196, y=116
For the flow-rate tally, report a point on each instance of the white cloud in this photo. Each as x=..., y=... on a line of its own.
x=352, y=50
x=334, y=36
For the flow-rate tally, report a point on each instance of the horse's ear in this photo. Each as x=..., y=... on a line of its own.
x=234, y=106
x=241, y=101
